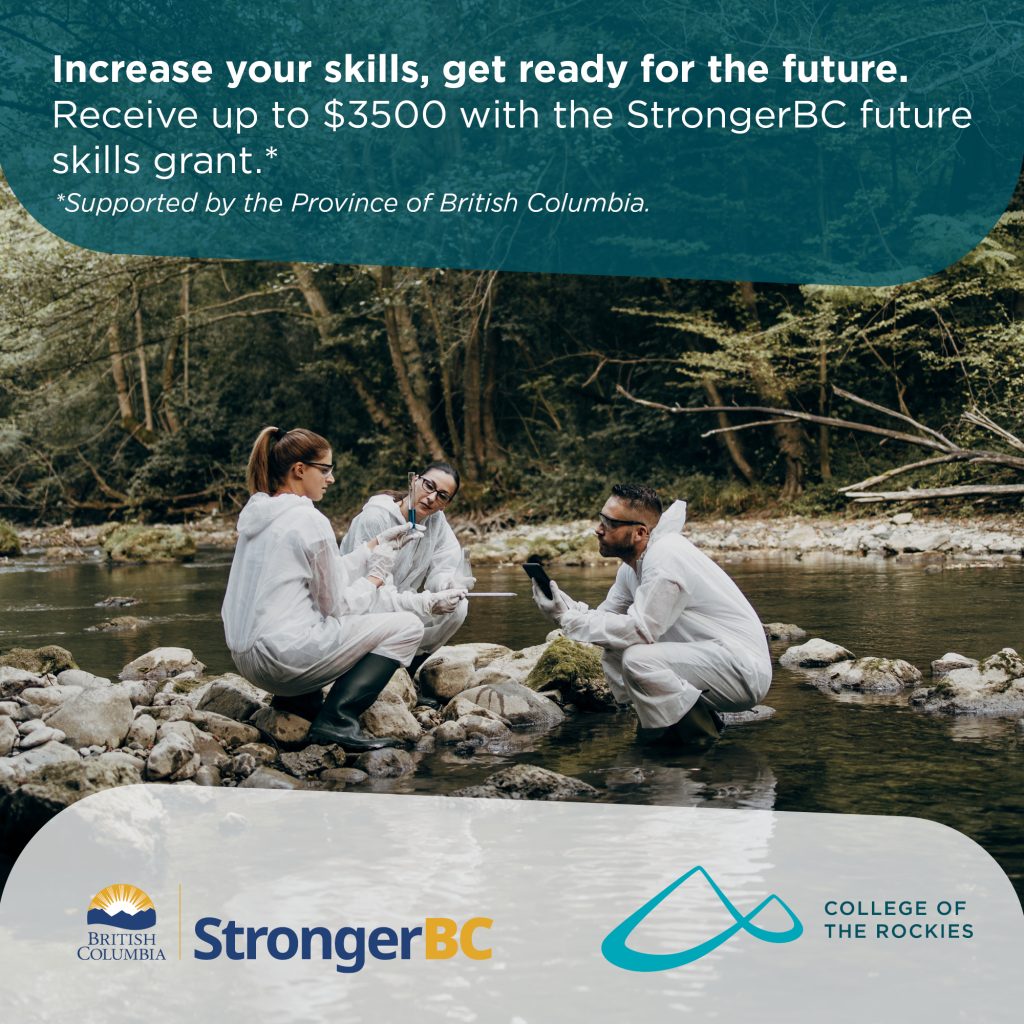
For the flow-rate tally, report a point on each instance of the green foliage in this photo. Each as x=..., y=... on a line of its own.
x=133, y=387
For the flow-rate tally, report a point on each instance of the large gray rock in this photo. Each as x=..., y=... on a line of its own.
x=758, y=713
x=515, y=666
x=313, y=759
x=25, y=765
x=869, y=675
x=816, y=653
x=142, y=734
x=993, y=688
x=100, y=716
x=529, y=782
x=459, y=707
x=389, y=715
x=950, y=662
x=52, y=788
x=49, y=697
x=78, y=677
x=517, y=704
x=400, y=688
x=284, y=728
x=232, y=696
x=8, y=736
x=450, y=670
x=163, y=663
x=784, y=631
x=270, y=778
x=226, y=730
x=40, y=736
x=13, y=680
x=172, y=759
x=388, y=763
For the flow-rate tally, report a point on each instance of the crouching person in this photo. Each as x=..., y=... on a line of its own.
x=681, y=642
x=297, y=615
x=433, y=563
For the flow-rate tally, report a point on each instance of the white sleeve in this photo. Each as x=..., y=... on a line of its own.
x=337, y=583
x=444, y=563
x=657, y=604
x=367, y=525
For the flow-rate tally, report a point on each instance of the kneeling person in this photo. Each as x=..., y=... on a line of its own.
x=681, y=641
x=434, y=562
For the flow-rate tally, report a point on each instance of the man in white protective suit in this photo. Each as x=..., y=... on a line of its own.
x=680, y=640
x=435, y=562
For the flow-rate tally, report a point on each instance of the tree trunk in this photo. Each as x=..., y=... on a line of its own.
x=140, y=348
x=407, y=359
x=729, y=441
x=318, y=308
x=117, y=372
x=824, y=459
x=790, y=437
x=474, y=386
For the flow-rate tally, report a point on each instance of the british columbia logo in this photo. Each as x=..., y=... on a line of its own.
x=617, y=952
x=120, y=919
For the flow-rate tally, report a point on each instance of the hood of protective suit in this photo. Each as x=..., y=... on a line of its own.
x=673, y=519
x=386, y=502
x=261, y=510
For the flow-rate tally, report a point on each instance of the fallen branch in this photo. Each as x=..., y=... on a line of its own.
x=928, y=438
x=966, y=490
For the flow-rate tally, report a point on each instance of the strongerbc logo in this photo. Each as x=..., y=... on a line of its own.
x=617, y=952
x=119, y=918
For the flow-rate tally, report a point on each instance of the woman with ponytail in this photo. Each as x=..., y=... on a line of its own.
x=299, y=615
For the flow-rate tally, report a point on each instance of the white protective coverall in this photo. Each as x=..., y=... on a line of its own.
x=676, y=627
x=296, y=613
x=431, y=563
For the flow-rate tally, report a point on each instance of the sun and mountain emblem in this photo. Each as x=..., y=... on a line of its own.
x=122, y=906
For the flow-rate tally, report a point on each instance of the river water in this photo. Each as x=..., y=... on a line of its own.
x=850, y=754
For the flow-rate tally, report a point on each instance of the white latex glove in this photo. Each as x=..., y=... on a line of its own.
x=456, y=583
x=558, y=605
x=401, y=535
x=444, y=601
x=381, y=561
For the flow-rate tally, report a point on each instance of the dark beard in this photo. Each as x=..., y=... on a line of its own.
x=622, y=551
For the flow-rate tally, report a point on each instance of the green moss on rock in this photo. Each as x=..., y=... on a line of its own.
x=52, y=659
x=575, y=670
x=133, y=543
x=10, y=544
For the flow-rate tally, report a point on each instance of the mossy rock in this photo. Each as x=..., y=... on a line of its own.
x=51, y=659
x=575, y=670
x=10, y=544
x=147, y=544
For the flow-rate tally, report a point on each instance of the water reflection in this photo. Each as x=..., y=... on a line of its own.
x=822, y=752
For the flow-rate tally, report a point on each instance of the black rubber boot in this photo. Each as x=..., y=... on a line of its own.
x=305, y=705
x=701, y=725
x=417, y=663
x=347, y=699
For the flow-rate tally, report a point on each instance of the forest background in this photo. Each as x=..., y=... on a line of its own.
x=132, y=387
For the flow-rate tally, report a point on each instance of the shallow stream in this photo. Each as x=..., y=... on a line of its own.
x=850, y=755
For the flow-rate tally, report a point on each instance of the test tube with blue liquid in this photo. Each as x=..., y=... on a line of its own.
x=412, y=501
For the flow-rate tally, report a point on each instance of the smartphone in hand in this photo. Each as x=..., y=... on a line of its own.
x=536, y=573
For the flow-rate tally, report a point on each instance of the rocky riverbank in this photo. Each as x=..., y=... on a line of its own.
x=939, y=539
x=66, y=733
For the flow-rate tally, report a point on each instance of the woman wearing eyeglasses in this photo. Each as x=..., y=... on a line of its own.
x=435, y=562
x=297, y=614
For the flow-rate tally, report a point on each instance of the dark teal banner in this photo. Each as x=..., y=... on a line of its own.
x=777, y=141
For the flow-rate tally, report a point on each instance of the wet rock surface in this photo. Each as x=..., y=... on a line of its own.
x=869, y=675
x=529, y=782
x=816, y=653
x=995, y=687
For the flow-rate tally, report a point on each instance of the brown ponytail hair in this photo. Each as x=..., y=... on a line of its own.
x=276, y=451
